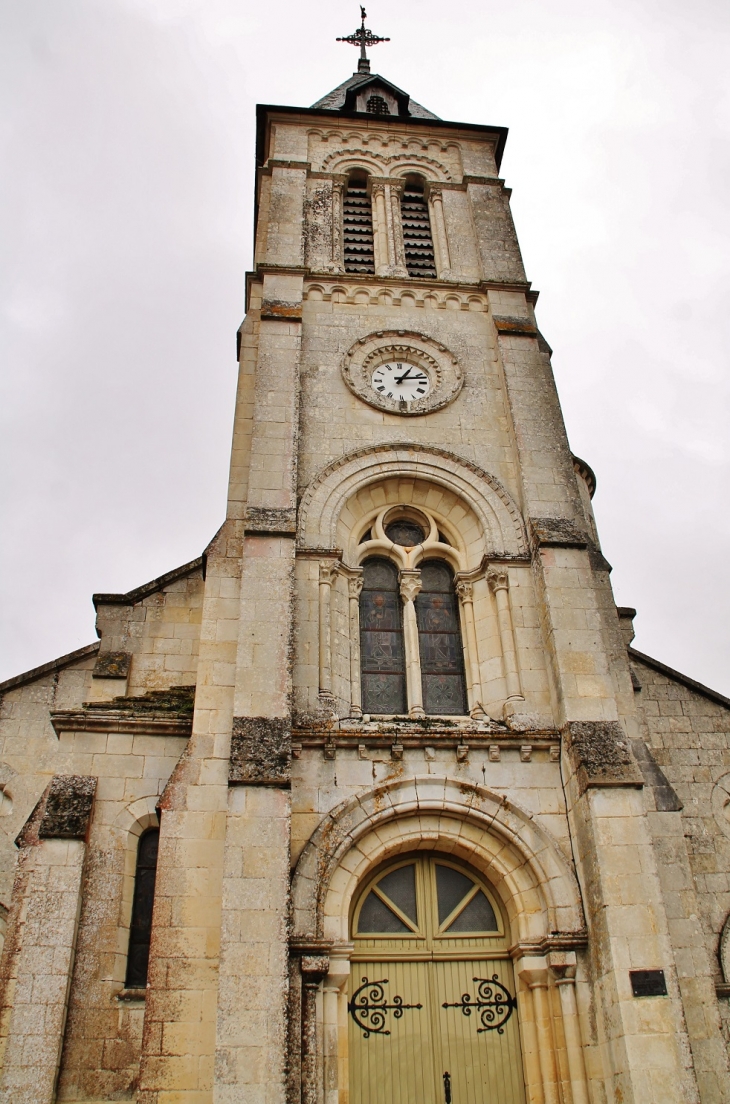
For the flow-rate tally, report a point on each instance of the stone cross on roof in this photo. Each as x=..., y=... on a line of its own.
x=363, y=37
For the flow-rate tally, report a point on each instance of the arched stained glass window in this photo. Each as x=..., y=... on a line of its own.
x=144, y=895
x=439, y=639
x=382, y=655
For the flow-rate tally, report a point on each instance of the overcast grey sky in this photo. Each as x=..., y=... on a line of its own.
x=127, y=134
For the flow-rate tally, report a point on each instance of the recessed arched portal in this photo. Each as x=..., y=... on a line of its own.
x=509, y=857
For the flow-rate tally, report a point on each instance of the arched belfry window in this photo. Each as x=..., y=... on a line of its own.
x=140, y=928
x=382, y=654
x=417, y=238
x=357, y=227
x=439, y=641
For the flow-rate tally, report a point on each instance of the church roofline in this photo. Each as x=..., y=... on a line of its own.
x=670, y=673
x=48, y=668
x=139, y=593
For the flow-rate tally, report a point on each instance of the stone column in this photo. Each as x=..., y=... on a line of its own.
x=380, y=226
x=395, y=191
x=334, y=996
x=410, y=586
x=465, y=591
x=534, y=974
x=314, y=968
x=438, y=228
x=498, y=579
x=339, y=184
x=564, y=969
x=354, y=586
x=327, y=570
x=37, y=963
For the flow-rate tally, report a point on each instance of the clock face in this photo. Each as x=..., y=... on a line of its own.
x=400, y=380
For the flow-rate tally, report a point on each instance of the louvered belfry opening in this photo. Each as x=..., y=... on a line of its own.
x=357, y=225
x=420, y=260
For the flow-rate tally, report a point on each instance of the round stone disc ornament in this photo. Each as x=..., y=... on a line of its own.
x=402, y=372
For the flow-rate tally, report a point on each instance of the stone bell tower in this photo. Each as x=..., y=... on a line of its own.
x=411, y=844
x=392, y=373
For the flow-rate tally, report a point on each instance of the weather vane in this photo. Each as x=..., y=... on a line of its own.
x=362, y=38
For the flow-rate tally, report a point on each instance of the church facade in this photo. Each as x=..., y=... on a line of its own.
x=373, y=802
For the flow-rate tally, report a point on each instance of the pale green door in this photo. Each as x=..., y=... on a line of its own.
x=432, y=1008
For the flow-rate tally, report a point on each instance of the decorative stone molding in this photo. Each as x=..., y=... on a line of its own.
x=415, y=294
x=433, y=358
x=269, y=521
x=260, y=751
x=600, y=755
x=68, y=807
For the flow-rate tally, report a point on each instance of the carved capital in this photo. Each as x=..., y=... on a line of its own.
x=465, y=590
x=354, y=585
x=498, y=579
x=327, y=571
x=410, y=585
x=339, y=183
x=376, y=187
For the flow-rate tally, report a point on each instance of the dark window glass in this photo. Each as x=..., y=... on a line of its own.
x=417, y=232
x=405, y=533
x=144, y=896
x=376, y=917
x=451, y=888
x=357, y=227
x=382, y=654
x=439, y=639
x=478, y=916
x=400, y=887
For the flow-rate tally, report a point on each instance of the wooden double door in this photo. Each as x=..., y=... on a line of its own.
x=432, y=1009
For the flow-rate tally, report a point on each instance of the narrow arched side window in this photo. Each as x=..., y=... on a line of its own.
x=357, y=227
x=382, y=655
x=144, y=895
x=439, y=641
x=417, y=237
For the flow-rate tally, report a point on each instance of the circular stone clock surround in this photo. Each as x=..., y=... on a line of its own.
x=362, y=360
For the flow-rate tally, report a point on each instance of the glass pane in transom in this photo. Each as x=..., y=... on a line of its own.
x=452, y=887
x=477, y=916
x=400, y=887
x=377, y=918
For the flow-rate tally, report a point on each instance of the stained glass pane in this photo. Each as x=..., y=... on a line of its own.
x=451, y=888
x=405, y=533
x=375, y=916
x=442, y=656
x=478, y=916
x=400, y=887
x=382, y=655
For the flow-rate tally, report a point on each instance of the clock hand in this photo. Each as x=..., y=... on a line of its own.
x=399, y=379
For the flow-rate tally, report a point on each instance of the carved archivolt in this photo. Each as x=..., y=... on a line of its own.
x=395, y=295
x=499, y=520
x=344, y=161
x=519, y=857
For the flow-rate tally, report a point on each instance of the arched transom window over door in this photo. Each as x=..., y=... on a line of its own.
x=432, y=1007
